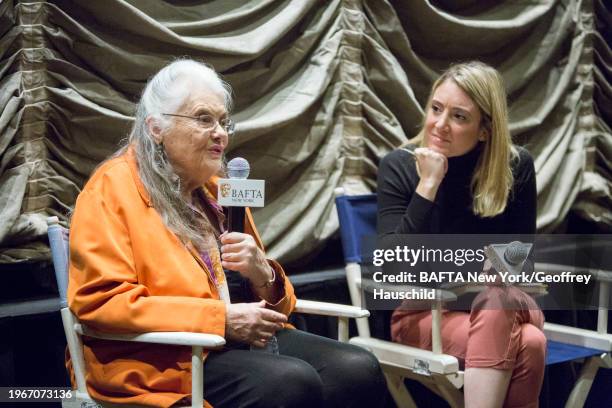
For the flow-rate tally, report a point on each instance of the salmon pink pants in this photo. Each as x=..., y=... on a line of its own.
x=502, y=331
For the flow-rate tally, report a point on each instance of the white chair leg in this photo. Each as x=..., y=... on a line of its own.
x=452, y=395
x=583, y=384
x=197, y=377
x=602, y=312
x=343, y=329
x=399, y=392
x=353, y=279
x=436, y=327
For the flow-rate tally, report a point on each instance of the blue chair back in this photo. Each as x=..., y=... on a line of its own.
x=58, y=241
x=357, y=218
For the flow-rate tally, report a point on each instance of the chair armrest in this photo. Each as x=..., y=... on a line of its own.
x=578, y=337
x=402, y=356
x=329, y=309
x=174, y=338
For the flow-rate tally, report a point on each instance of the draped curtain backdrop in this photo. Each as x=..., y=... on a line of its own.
x=323, y=90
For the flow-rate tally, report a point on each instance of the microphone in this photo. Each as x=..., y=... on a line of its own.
x=509, y=257
x=236, y=193
x=237, y=190
x=237, y=169
x=516, y=253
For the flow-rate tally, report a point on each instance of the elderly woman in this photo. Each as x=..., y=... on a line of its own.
x=148, y=249
x=466, y=177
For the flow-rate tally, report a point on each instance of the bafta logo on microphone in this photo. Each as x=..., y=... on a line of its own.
x=226, y=189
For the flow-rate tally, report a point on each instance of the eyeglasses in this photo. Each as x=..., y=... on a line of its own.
x=209, y=122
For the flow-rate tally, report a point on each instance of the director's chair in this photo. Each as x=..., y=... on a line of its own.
x=74, y=329
x=440, y=372
x=437, y=371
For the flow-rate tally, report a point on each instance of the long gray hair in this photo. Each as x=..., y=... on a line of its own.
x=166, y=92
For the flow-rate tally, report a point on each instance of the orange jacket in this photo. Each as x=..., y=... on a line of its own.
x=129, y=273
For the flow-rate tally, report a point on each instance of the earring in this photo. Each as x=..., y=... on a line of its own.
x=160, y=154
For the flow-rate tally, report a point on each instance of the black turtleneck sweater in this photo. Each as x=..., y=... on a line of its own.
x=402, y=211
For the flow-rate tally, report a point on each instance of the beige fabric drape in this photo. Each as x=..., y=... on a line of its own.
x=323, y=90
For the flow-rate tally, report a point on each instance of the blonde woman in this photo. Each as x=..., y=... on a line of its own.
x=462, y=174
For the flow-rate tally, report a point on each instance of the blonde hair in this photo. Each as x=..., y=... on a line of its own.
x=492, y=179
